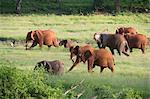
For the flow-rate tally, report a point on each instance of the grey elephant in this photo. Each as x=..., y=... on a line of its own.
x=113, y=41
x=53, y=67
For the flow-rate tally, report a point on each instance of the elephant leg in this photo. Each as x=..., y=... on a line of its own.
x=102, y=68
x=111, y=68
x=78, y=60
x=125, y=53
x=40, y=44
x=33, y=45
x=123, y=50
x=131, y=50
x=26, y=45
x=93, y=65
x=112, y=51
x=90, y=65
x=143, y=51
x=119, y=52
x=49, y=46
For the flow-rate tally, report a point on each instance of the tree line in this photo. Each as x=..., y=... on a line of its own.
x=94, y=5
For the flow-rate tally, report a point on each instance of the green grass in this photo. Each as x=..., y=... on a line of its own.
x=130, y=72
x=75, y=27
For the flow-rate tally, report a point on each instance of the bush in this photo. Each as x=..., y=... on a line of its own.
x=108, y=93
x=104, y=92
x=128, y=93
x=15, y=83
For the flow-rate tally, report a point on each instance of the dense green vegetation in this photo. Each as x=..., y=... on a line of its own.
x=17, y=78
x=74, y=6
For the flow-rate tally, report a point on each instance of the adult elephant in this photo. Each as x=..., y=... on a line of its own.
x=126, y=30
x=53, y=67
x=100, y=57
x=113, y=41
x=41, y=37
x=138, y=41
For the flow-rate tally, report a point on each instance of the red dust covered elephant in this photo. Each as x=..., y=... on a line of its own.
x=138, y=41
x=126, y=30
x=100, y=57
x=41, y=37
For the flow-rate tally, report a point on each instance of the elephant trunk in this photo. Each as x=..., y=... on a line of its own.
x=71, y=57
x=56, y=43
x=26, y=44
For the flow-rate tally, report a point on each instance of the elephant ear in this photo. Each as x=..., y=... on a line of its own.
x=87, y=55
x=39, y=35
x=97, y=37
x=65, y=43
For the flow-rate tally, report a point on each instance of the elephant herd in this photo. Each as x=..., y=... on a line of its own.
x=124, y=40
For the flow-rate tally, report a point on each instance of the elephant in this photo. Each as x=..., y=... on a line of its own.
x=73, y=50
x=126, y=30
x=42, y=37
x=101, y=57
x=66, y=43
x=53, y=67
x=113, y=41
x=138, y=41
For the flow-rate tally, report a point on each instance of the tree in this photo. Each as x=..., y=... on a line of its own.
x=18, y=6
x=97, y=4
x=117, y=6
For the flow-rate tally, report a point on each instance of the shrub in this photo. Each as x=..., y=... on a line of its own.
x=104, y=92
x=128, y=93
x=15, y=83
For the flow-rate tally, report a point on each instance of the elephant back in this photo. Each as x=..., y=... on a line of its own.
x=104, y=58
x=126, y=30
x=137, y=39
x=57, y=67
x=50, y=37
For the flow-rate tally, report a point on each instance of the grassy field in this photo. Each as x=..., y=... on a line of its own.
x=130, y=72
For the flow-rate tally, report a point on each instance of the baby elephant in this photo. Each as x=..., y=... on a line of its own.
x=66, y=43
x=53, y=67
